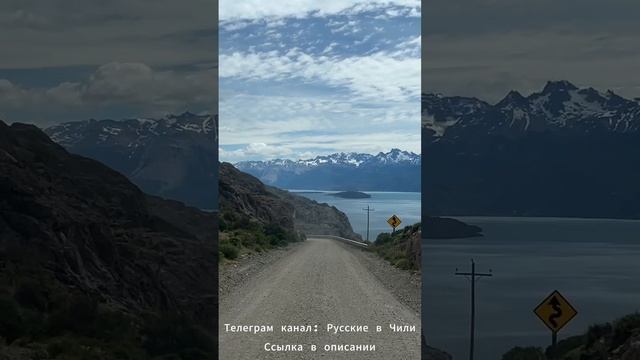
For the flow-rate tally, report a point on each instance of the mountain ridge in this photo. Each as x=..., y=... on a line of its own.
x=172, y=157
x=560, y=107
x=563, y=151
x=395, y=170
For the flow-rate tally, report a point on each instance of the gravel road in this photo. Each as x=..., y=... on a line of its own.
x=321, y=282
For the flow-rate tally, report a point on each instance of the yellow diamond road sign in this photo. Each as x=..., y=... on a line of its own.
x=555, y=311
x=394, y=221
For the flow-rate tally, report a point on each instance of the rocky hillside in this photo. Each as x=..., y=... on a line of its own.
x=173, y=157
x=395, y=170
x=402, y=248
x=242, y=193
x=618, y=340
x=91, y=267
x=562, y=152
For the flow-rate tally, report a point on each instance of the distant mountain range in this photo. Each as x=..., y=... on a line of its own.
x=563, y=151
x=395, y=170
x=173, y=157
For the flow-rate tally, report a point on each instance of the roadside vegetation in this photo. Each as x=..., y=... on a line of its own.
x=40, y=320
x=617, y=340
x=239, y=235
x=402, y=248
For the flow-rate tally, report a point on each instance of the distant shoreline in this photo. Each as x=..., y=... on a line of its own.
x=315, y=191
x=468, y=218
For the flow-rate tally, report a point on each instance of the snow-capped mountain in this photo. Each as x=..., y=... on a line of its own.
x=395, y=170
x=562, y=151
x=560, y=107
x=174, y=156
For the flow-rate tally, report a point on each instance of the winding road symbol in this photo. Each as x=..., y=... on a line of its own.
x=555, y=305
x=555, y=311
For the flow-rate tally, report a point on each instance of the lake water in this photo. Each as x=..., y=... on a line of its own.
x=595, y=264
x=406, y=205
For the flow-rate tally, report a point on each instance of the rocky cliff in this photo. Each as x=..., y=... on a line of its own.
x=245, y=194
x=88, y=259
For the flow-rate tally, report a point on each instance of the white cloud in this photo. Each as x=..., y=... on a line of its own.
x=256, y=9
x=118, y=84
x=291, y=126
x=379, y=76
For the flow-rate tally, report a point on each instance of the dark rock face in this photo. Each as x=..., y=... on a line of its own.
x=563, y=151
x=85, y=227
x=243, y=193
x=173, y=157
x=313, y=218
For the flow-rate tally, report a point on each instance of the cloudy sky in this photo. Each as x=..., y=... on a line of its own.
x=68, y=60
x=300, y=78
x=484, y=48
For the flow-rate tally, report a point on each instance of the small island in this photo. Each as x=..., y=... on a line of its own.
x=351, y=195
x=447, y=228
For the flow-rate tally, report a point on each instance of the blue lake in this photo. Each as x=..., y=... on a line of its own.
x=406, y=205
x=595, y=264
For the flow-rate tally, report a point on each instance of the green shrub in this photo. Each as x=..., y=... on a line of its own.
x=623, y=328
x=403, y=264
x=229, y=251
x=524, y=353
x=566, y=346
x=175, y=334
x=596, y=332
x=383, y=238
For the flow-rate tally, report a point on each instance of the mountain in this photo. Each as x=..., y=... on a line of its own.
x=173, y=157
x=395, y=170
x=562, y=151
x=244, y=194
x=94, y=268
x=560, y=108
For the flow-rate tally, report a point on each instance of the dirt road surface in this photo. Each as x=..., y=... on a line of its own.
x=321, y=282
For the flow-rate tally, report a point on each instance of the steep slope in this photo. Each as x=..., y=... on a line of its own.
x=172, y=157
x=617, y=340
x=242, y=193
x=90, y=261
x=402, y=248
x=395, y=170
x=562, y=151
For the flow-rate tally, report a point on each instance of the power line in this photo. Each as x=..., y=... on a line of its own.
x=368, y=210
x=473, y=276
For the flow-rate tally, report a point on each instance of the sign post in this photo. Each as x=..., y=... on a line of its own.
x=555, y=311
x=394, y=221
x=473, y=276
x=368, y=209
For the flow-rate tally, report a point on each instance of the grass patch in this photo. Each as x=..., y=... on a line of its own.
x=400, y=248
x=239, y=234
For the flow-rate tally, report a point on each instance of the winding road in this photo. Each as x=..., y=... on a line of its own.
x=321, y=282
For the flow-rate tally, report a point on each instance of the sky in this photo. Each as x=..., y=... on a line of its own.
x=301, y=78
x=484, y=48
x=66, y=60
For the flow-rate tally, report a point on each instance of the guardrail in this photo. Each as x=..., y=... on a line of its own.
x=349, y=241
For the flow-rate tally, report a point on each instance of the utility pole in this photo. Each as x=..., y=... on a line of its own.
x=473, y=276
x=368, y=210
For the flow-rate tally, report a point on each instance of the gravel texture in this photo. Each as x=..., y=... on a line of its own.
x=318, y=282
